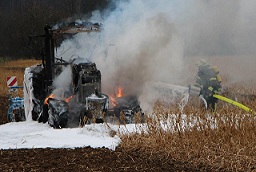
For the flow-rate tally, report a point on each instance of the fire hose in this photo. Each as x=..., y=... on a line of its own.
x=247, y=109
x=196, y=91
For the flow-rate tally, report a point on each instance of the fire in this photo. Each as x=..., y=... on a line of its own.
x=50, y=96
x=68, y=99
x=119, y=93
x=113, y=100
x=53, y=96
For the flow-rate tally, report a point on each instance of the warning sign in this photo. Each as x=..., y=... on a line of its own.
x=11, y=81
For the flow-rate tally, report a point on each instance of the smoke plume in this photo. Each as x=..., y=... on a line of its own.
x=150, y=40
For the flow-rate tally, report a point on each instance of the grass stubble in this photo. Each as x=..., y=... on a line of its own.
x=221, y=141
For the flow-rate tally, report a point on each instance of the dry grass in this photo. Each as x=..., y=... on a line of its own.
x=222, y=141
x=225, y=140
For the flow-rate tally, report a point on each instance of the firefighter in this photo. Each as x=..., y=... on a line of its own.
x=209, y=81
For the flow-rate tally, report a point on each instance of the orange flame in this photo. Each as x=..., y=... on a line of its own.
x=120, y=92
x=113, y=100
x=68, y=99
x=53, y=96
x=50, y=96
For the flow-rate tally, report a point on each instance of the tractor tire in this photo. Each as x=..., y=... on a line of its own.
x=63, y=120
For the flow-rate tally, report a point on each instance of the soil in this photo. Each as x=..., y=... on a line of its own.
x=85, y=159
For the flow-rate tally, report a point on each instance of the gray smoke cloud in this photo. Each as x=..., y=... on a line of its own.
x=223, y=32
x=148, y=40
x=140, y=42
x=220, y=27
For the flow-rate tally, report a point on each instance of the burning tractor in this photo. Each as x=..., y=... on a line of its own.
x=126, y=107
x=79, y=103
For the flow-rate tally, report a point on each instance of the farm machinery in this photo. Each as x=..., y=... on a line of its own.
x=126, y=107
x=76, y=104
x=16, y=106
x=81, y=101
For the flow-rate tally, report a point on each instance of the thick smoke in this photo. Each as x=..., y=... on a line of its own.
x=220, y=27
x=223, y=32
x=140, y=42
x=150, y=40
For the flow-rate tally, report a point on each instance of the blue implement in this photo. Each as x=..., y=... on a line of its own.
x=15, y=104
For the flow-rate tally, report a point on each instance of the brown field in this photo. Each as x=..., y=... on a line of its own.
x=229, y=146
x=11, y=68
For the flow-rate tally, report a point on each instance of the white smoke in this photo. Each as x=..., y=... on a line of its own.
x=140, y=42
x=148, y=40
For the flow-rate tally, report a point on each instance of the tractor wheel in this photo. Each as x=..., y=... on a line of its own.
x=19, y=115
x=44, y=115
x=63, y=119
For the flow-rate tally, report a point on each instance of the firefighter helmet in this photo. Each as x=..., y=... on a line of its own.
x=201, y=62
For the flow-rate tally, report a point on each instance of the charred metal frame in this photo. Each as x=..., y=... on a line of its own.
x=50, y=36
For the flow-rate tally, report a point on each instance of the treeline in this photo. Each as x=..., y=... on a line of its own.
x=21, y=18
